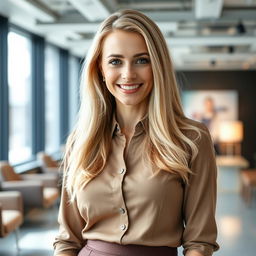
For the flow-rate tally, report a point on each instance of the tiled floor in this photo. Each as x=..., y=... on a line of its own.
x=237, y=226
x=36, y=235
x=236, y=222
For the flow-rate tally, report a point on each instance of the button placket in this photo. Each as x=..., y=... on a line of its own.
x=122, y=170
x=123, y=224
x=123, y=227
x=121, y=210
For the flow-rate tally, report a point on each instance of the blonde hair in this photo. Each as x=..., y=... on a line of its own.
x=88, y=146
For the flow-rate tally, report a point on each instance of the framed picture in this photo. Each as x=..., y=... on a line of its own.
x=211, y=107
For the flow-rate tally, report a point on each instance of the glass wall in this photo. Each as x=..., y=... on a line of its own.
x=52, y=101
x=24, y=109
x=20, y=103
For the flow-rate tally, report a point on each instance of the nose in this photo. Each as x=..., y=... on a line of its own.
x=128, y=72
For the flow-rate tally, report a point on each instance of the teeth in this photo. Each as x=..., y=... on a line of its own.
x=129, y=87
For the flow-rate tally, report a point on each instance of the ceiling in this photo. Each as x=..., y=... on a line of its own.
x=201, y=34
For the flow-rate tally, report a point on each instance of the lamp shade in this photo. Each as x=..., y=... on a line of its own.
x=231, y=131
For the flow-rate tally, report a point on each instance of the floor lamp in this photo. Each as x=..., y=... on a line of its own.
x=231, y=134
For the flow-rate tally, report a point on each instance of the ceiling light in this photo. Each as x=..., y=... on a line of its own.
x=93, y=10
x=208, y=8
x=39, y=11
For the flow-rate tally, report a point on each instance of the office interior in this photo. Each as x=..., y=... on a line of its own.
x=42, y=47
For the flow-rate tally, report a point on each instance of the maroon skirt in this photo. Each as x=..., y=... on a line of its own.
x=102, y=248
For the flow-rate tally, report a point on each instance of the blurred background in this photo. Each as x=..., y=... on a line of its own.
x=42, y=46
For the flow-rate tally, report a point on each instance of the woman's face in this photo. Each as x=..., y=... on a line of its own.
x=126, y=67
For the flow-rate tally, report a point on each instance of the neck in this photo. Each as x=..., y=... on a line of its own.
x=129, y=116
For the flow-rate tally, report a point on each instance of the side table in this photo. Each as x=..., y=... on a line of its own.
x=229, y=172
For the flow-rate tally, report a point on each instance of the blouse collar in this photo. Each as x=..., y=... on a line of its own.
x=139, y=128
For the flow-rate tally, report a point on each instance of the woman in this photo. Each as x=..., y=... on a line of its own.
x=140, y=178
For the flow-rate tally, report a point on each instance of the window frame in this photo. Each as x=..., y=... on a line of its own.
x=16, y=29
x=4, y=102
x=38, y=45
x=57, y=49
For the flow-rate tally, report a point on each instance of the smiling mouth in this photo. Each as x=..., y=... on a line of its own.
x=129, y=87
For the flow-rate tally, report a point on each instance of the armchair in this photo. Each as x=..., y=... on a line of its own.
x=38, y=190
x=47, y=162
x=248, y=185
x=11, y=213
x=49, y=165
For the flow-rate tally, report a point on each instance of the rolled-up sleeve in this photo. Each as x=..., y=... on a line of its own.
x=200, y=231
x=69, y=239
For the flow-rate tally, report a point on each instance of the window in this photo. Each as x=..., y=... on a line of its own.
x=73, y=90
x=52, y=101
x=20, y=102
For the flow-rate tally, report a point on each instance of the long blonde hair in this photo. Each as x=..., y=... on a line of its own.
x=88, y=146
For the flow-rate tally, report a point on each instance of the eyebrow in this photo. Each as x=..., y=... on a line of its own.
x=121, y=56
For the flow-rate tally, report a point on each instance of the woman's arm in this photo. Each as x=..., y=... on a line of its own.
x=69, y=240
x=199, y=237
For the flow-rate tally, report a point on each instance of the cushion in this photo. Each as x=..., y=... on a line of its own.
x=11, y=220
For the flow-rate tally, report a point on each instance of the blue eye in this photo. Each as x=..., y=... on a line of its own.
x=115, y=62
x=142, y=61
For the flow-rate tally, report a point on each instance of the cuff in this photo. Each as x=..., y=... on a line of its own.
x=68, y=252
x=205, y=250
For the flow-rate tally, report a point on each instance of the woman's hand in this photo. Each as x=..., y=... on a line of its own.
x=194, y=253
x=63, y=255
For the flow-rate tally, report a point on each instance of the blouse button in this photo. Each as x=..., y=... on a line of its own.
x=122, y=210
x=123, y=227
x=121, y=171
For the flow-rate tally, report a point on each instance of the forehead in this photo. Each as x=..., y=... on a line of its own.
x=122, y=42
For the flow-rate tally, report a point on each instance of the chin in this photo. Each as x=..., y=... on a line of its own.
x=129, y=103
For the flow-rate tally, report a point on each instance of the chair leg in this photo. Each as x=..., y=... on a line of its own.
x=245, y=194
x=242, y=191
x=17, y=235
x=253, y=195
x=249, y=196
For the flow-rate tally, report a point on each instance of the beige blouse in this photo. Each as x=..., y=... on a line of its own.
x=126, y=204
